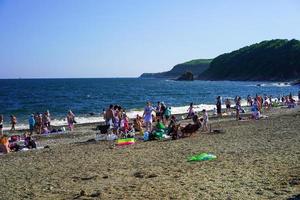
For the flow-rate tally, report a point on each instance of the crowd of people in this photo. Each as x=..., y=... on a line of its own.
x=156, y=121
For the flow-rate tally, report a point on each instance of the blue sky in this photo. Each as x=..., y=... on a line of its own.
x=124, y=38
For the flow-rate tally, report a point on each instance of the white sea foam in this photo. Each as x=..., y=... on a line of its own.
x=131, y=114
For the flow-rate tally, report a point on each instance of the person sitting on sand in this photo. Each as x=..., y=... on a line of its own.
x=13, y=121
x=4, y=144
x=71, y=120
x=29, y=142
x=205, y=120
x=1, y=124
x=189, y=129
x=138, y=124
x=191, y=111
x=291, y=102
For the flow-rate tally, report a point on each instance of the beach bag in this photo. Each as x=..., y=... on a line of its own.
x=146, y=136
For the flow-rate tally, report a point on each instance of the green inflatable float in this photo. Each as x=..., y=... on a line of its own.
x=202, y=157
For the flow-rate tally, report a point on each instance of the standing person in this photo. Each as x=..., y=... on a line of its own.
x=191, y=111
x=162, y=112
x=1, y=125
x=116, y=119
x=205, y=120
x=228, y=105
x=249, y=100
x=167, y=114
x=71, y=120
x=109, y=115
x=39, y=123
x=259, y=102
x=299, y=96
x=148, y=116
x=158, y=110
x=31, y=122
x=46, y=120
x=13, y=121
x=218, y=104
x=238, y=108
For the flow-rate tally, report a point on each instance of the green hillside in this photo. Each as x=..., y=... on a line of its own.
x=194, y=66
x=274, y=60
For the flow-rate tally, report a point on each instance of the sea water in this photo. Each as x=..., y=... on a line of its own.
x=88, y=97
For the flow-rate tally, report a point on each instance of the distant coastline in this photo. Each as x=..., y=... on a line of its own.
x=272, y=60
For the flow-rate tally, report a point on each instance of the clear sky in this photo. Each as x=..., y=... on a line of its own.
x=124, y=38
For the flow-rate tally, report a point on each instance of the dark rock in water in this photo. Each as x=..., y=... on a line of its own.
x=258, y=85
x=296, y=82
x=187, y=76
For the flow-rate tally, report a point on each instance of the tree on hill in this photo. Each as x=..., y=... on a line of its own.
x=267, y=60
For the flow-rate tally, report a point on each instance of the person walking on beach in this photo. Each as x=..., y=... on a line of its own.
x=1, y=124
x=71, y=120
x=205, y=120
x=218, y=104
x=13, y=121
x=238, y=108
x=148, y=116
x=31, y=122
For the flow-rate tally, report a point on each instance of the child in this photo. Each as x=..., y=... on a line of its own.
x=205, y=120
x=124, y=124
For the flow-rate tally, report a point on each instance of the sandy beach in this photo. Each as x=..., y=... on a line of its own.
x=255, y=160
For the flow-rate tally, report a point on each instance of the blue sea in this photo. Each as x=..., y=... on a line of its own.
x=21, y=97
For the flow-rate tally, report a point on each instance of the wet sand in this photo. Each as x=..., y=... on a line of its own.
x=256, y=160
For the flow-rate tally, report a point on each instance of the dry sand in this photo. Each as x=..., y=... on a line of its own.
x=256, y=160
